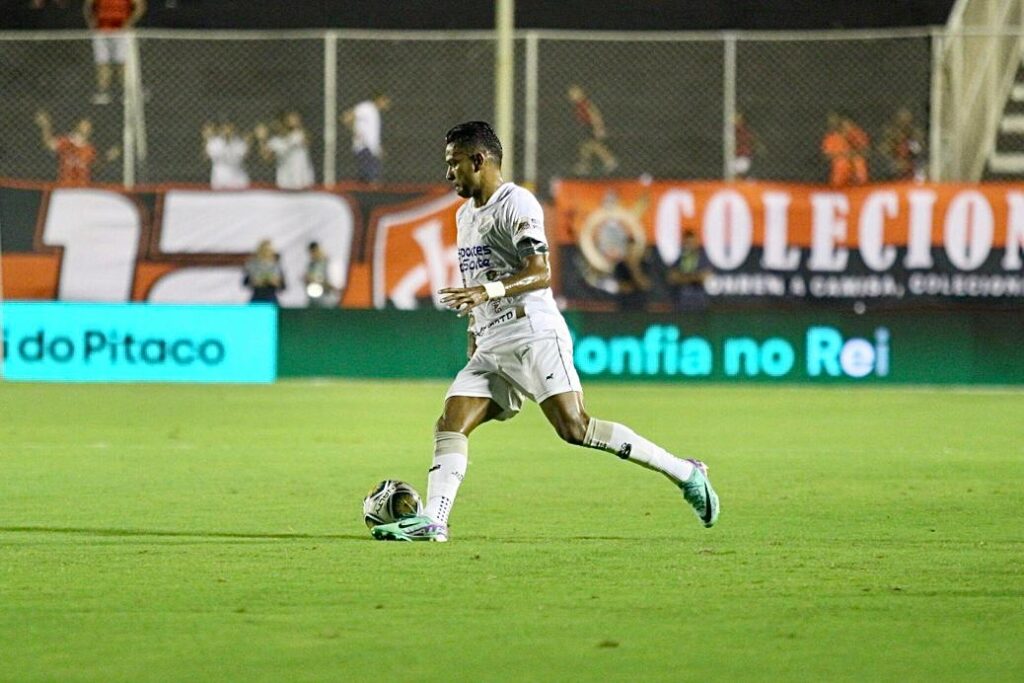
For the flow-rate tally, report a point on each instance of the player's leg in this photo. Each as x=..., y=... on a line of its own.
x=101, y=50
x=567, y=415
x=478, y=394
x=461, y=415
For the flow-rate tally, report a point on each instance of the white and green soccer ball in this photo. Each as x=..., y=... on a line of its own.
x=390, y=501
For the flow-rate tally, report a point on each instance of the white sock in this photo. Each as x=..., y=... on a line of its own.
x=628, y=445
x=446, y=473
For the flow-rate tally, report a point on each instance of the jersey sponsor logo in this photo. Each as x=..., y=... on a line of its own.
x=507, y=316
x=473, y=259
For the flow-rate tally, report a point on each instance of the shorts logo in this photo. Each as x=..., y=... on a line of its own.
x=625, y=450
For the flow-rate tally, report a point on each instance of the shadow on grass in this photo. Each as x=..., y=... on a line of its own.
x=100, y=531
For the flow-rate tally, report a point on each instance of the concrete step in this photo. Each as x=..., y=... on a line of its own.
x=1010, y=163
x=1012, y=123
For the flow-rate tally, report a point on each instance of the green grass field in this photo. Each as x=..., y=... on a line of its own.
x=152, y=533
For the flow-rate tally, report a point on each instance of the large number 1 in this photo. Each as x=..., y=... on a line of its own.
x=100, y=231
x=99, y=234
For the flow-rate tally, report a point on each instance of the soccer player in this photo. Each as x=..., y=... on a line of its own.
x=519, y=344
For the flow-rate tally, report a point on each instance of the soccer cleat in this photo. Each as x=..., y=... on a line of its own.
x=417, y=528
x=698, y=492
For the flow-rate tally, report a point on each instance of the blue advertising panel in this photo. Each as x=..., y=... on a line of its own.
x=85, y=342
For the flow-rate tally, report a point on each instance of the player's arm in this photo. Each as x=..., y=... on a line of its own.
x=535, y=273
x=46, y=131
x=261, y=132
x=90, y=16
x=137, y=12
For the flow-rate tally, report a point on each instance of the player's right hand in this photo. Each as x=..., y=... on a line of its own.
x=463, y=299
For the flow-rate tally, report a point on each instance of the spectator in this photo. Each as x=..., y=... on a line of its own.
x=76, y=155
x=903, y=146
x=860, y=147
x=109, y=18
x=263, y=274
x=364, y=121
x=318, y=279
x=630, y=274
x=844, y=146
x=594, y=134
x=227, y=151
x=688, y=275
x=289, y=149
x=748, y=145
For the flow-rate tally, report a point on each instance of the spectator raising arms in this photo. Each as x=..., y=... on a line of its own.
x=227, y=151
x=289, y=149
x=76, y=155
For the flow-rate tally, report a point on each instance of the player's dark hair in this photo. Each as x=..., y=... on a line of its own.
x=475, y=136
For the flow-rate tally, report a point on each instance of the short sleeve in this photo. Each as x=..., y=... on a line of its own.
x=527, y=224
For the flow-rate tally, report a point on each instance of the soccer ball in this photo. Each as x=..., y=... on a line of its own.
x=390, y=501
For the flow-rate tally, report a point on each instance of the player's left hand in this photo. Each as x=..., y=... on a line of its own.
x=462, y=299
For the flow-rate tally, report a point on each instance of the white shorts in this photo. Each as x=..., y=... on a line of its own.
x=537, y=367
x=108, y=48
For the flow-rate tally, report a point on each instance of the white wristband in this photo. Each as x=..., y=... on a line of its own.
x=495, y=290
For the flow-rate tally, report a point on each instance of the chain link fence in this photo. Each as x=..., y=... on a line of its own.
x=667, y=101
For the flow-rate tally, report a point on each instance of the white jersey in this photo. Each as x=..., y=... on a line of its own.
x=492, y=242
x=294, y=168
x=228, y=158
x=366, y=128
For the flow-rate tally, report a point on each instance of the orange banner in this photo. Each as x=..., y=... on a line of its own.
x=663, y=242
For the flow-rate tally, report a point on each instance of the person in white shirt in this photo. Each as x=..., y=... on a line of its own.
x=519, y=343
x=226, y=150
x=364, y=121
x=289, y=149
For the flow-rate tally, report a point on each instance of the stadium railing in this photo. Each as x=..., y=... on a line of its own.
x=668, y=99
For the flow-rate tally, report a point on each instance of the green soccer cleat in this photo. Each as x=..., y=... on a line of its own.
x=698, y=492
x=417, y=528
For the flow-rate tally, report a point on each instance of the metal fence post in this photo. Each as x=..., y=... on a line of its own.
x=129, y=135
x=504, y=84
x=729, y=106
x=935, y=144
x=530, y=115
x=330, y=107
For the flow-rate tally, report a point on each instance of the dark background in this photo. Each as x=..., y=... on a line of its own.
x=479, y=14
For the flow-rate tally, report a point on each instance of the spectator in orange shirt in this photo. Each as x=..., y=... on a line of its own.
x=76, y=155
x=110, y=17
x=860, y=146
x=593, y=144
x=747, y=147
x=844, y=146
